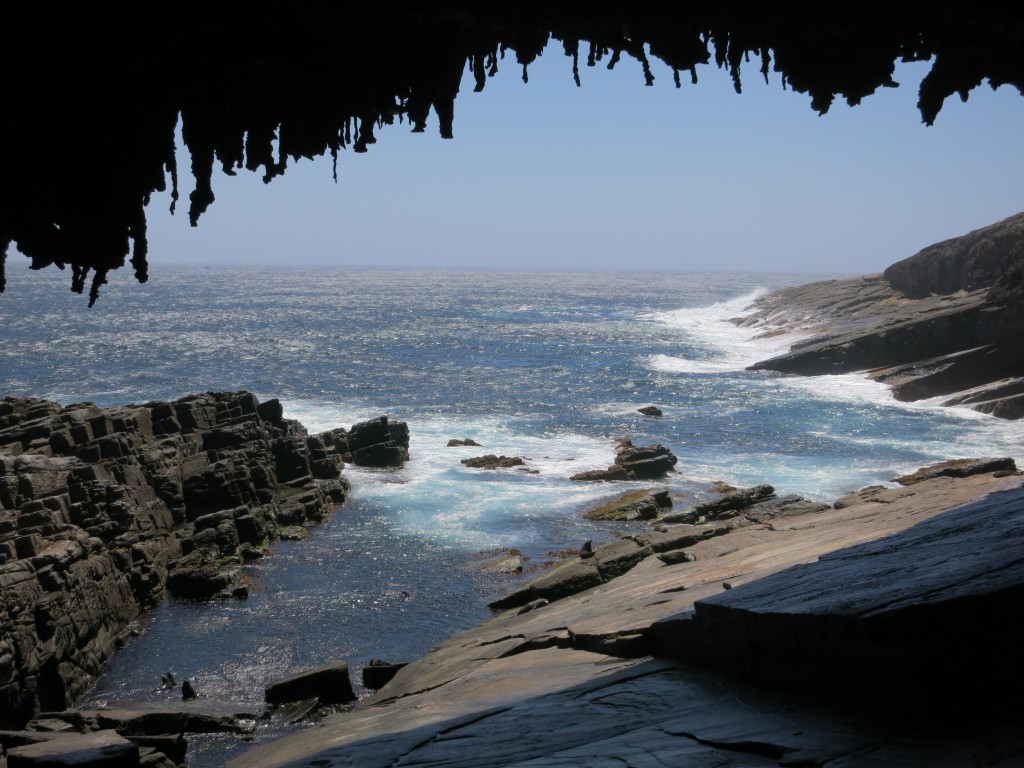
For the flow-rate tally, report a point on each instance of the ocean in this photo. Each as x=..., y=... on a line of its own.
x=550, y=366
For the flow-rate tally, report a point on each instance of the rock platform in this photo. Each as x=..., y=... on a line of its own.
x=781, y=593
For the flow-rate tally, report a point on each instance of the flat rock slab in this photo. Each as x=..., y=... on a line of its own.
x=904, y=620
x=103, y=749
x=653, y=713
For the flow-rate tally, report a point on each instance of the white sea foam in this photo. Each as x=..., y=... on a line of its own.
x=436, y=496
x=720, y=346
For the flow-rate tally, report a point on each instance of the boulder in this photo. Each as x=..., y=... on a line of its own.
x=378, y=673
x=650, y=410
x=379, y=443
x=634, y=462
x=330, y=684
x=455, y=442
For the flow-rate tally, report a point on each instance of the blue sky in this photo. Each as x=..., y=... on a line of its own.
x=618, y=175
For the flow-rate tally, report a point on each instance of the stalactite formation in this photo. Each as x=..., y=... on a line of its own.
x=92, y=96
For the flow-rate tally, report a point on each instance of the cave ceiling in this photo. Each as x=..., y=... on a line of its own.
x=94, y=97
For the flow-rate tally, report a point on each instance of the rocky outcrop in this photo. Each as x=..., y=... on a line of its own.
x=573, y=681
x=959, y=468
x=733, y=503
x=639, y=505
x=634, y=462
x=374, y=443
x=103, y=510
x=945, y=322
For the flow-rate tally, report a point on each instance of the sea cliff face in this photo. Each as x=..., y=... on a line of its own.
x=946, y=322
x=103, y=510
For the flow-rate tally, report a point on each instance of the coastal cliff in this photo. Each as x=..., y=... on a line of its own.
x=102, y=511
x=946, y=322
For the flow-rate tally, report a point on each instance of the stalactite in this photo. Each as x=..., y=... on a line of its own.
x=476, y=63
x=5, y=243
x=572, y=48
x=78, y=276
x=98, y=279
x=140, y=245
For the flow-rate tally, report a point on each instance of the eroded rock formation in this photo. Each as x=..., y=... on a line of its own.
x=102, y=510
x=90, y=134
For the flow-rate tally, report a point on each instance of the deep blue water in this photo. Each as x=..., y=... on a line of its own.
x=551, y=366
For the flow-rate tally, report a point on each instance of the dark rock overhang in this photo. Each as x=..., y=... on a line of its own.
x=92, y=95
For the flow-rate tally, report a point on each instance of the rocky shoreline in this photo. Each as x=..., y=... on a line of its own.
x=945, y=322
x=845, y=611
x=866, y=619
x=104, y=511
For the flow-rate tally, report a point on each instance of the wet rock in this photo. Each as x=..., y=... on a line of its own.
x=634, y=463
x=638, y=505
x=505, y=562
x=329, y=684
x=293, y=533
x=490, y=461
x=728, y=505
x=650, y=410
x=379, y=443
x=455, y=443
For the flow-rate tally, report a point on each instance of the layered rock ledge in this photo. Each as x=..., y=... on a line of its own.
x=946, y=322
x=606, y=675
x=103, y=510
